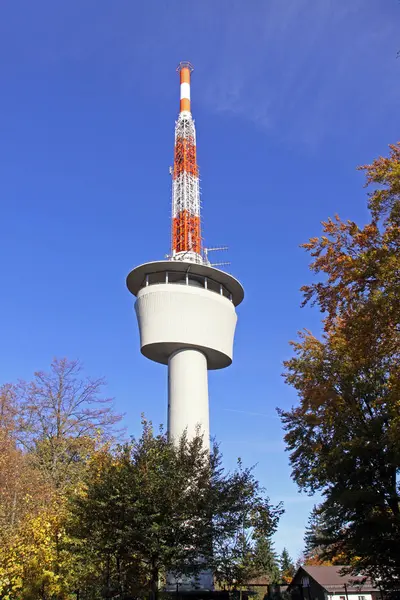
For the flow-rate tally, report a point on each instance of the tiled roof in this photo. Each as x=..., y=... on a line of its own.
x=331, y=579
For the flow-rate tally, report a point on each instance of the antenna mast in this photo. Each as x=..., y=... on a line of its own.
x=186, y=225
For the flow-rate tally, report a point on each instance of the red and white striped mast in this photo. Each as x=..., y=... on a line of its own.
x=186, y=224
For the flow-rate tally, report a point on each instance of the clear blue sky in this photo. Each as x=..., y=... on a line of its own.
x=288, y=96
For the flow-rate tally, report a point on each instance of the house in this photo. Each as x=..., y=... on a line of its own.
x=328, y=583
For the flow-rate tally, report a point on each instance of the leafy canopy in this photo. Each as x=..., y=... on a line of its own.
x=50, y=429
x=344, y=436
x=157, y=508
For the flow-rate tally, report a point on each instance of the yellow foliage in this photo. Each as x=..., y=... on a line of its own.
x=29, y=560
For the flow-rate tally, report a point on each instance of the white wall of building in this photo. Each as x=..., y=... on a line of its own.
x=342, y=596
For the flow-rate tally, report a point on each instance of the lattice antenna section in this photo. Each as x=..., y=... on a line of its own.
x=186, y=224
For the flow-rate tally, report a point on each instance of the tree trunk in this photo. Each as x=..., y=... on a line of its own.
x=120, y=584
x=108, y=573
x=154, y=582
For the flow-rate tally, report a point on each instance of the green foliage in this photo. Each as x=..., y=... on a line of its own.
x=287, y=565
x=316, y=544
x=313, y=536
x=344, y=436
x=266, y=560
x=136, y=507
x=242, y=549
x=152, y=508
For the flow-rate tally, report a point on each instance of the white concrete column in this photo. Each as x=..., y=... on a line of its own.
x=188, y=394
x=187, y=408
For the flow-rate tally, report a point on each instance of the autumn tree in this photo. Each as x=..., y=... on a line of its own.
x=153, y=508
x=15, y=474
x=25, y=499
x=63, y=417
x=344, y=436
x=50, y=428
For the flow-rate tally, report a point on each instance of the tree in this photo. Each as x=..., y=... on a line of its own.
x=24, y=498
x=314, y=541
x=50, y=429
x=28, y=563
x=243, y=524
x=135, y=509
x=344, y=437
x=152, y=508
x=17, y=477
x=25, y=519
x=63, y=418
x=245, y=557
x=288, y=568
x=266, y=560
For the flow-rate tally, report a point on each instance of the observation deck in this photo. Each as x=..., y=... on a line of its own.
x=184, y=305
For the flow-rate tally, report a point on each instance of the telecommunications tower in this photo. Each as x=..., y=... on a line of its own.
x=185, y=307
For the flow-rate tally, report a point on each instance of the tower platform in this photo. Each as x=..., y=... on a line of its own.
x=185, y=305
x=187, y=320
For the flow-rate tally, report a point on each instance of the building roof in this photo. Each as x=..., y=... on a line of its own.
x=331, y=578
